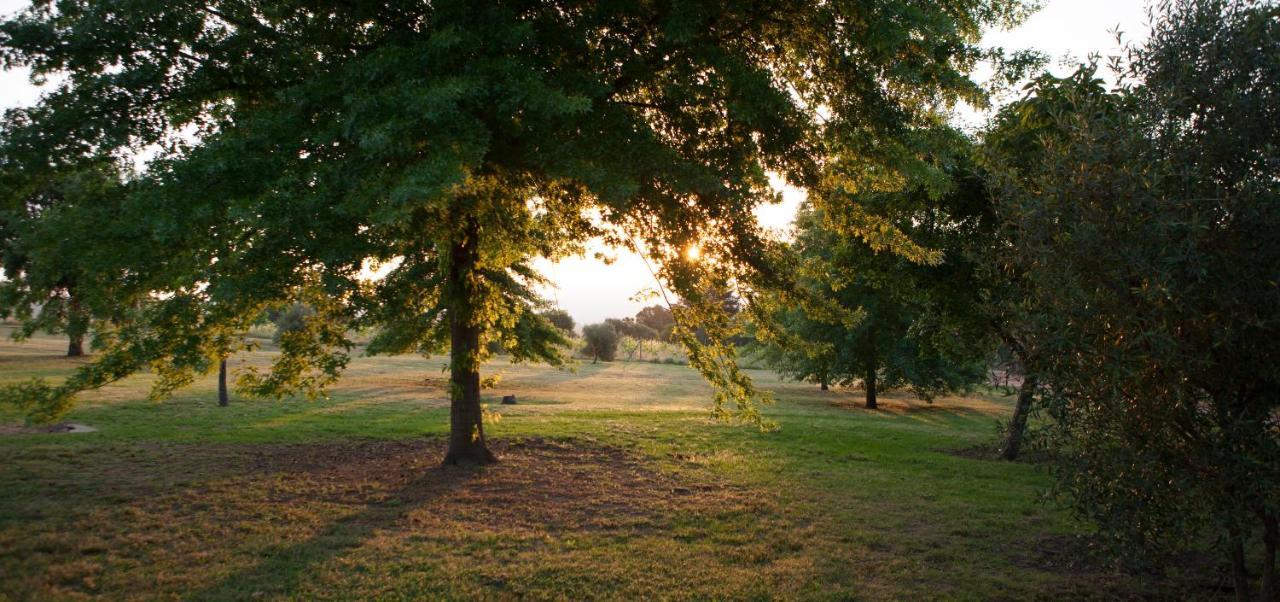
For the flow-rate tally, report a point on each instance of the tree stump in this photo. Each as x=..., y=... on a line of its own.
x=508, y=400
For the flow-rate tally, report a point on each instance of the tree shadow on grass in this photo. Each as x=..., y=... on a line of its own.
x=540, y=487
x=285, y=568
x=937, y=413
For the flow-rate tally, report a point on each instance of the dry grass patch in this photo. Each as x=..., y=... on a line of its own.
x=370, y=519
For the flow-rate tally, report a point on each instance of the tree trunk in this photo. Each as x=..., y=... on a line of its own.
x=223, y=400
x=1271, y=538
x=824, y=385
x=870, y=383
x=75, y=345
x=1239, y=574
x=466, y=422
x=77, y=324
x=1018, y=424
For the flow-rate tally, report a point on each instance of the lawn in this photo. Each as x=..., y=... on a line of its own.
x=613, y=484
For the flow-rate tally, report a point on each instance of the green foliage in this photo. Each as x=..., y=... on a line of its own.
x=292, y=319
x=47, y=266
x=460, y=142
x=629, y=327
x=601, y=342
x=1144, y=221
x=912, y=314
x=657, y=318
x=560, y=319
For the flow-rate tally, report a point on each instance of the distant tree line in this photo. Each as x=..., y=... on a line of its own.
x=654, y=323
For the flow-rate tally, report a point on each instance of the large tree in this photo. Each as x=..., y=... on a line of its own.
x=1146, y=228
x=462, y=140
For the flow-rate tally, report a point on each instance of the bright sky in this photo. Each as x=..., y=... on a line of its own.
x=590, y=290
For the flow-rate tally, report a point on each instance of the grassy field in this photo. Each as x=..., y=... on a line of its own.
x=613, y=484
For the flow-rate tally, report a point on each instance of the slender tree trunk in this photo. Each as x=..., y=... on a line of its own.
x=466, y=422
x=1018, y=424
x=223, y=399
x=1239, y=574
x=75, y=345
x=1270, y=538
x=870, y=383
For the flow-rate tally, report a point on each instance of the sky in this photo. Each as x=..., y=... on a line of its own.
x=592, y=290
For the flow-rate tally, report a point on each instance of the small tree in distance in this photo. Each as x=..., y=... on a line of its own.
x=920, y=327
x=560, y=319
x=602, y=342
x=657, y=318
x=292, y=319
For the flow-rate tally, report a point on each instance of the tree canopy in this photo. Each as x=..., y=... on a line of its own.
x=560, y=319
x=300, y=142
x=42, y=229
x=601, y=342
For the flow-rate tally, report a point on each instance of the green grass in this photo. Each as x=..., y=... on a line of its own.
x=613, y=484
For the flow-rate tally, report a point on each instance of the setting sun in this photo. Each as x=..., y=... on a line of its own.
x=693, y=252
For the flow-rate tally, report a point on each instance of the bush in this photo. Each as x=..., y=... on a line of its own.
x=602, y=342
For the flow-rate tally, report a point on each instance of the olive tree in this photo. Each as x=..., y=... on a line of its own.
x=601, y=342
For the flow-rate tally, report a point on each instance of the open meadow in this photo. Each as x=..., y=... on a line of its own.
x=613, y=483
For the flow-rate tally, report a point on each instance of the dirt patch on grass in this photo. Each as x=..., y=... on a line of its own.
x=1064, y=554
x=60, y=428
